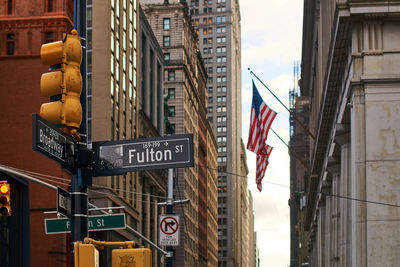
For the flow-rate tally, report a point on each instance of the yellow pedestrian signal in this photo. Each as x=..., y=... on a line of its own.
x=5, y=199
x=64, y=85
x=131, y=257
x=85, y=255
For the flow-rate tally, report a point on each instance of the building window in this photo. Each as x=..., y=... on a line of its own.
x=167, y=57
x=50, y=5
x=171, y=111
x=171, y=75
x=167, y=41
x=221, y=49
x=9, y=7
x=171, y=93
x=221, y=9
x=10, y=44
x=221, y=39
x=167, y=24
x=49, y=37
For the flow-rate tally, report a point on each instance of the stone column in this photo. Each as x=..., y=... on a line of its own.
x=358, y=185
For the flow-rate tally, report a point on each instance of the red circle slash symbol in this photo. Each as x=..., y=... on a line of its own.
x=169, y=225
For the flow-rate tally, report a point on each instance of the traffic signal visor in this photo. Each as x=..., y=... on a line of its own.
x=5, y=199
x=64, y=85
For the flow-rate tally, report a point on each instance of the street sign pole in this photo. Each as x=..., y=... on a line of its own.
x=79, y=212
x=170, y=194
x=81, y=178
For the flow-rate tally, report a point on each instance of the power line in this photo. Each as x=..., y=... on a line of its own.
x=40, y=176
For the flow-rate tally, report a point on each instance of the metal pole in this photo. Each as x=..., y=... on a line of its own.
x=305, y=127
x=79, y=196
x=170, y=194
x=79, y=211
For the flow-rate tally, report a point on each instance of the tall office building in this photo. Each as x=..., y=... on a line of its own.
x=185, y=84
x=217, y=23
x=125, y=102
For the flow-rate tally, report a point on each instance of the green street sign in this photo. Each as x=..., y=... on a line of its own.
x=95, y=223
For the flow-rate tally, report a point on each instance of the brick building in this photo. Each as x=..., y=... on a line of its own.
x=24, y=26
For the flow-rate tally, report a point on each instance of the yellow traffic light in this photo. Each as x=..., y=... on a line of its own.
x=86, y=255
x=5, y=199
x=64, y=85
x=131, y=257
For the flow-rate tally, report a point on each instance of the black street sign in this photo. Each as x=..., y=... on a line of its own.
x=119, y=157
x=63, y=202
x=51, y=142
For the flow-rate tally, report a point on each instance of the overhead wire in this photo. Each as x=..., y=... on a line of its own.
x=42, y=177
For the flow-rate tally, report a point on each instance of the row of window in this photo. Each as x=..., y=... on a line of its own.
x=221, y=79
x=49, y=6
x=195, y=11
x=210, y=20
x=220, y=49
x=220, y=99
x=222, y=149
x=10, y=41
x=210, y=30
x=209, y=2
x=222, y=159
x=221, y=129
x=221, y=139
x=209, y=40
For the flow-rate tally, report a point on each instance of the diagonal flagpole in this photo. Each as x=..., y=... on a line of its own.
x=291, y=153
x=294, y=116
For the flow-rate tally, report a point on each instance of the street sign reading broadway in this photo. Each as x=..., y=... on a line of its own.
x=119, y=157
x=51, y=142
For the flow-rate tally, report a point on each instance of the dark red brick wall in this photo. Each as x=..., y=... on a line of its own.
x=19, y=98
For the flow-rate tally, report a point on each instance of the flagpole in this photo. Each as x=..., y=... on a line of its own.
x=294, y=116
x=291, y=153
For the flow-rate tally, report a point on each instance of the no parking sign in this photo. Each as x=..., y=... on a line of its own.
x=169, y=230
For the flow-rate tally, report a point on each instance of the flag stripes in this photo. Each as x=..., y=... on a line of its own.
x=261, y=119
x=259, y=128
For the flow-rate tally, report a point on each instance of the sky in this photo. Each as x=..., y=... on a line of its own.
x=271, y=44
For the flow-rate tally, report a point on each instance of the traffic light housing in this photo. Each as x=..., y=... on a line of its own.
x=64, y=85
x=5, y=199
x=131, y=257
x=85, y=255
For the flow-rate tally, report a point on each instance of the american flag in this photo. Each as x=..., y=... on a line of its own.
x=262, y=163
x=260, y=121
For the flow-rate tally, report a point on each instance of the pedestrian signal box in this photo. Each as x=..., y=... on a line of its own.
x=131, y=257
x=86, y=255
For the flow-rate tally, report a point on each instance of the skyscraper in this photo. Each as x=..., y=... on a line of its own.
x=217, y=24
x=185, y=84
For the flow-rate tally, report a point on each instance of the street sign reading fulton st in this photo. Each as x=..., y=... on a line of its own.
x=51, y=142
x=119, y=157
x=95, y=223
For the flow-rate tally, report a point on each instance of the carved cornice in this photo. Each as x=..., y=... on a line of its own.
x=7, y=23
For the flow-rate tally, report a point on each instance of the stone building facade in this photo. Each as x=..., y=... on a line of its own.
x=350, y=63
